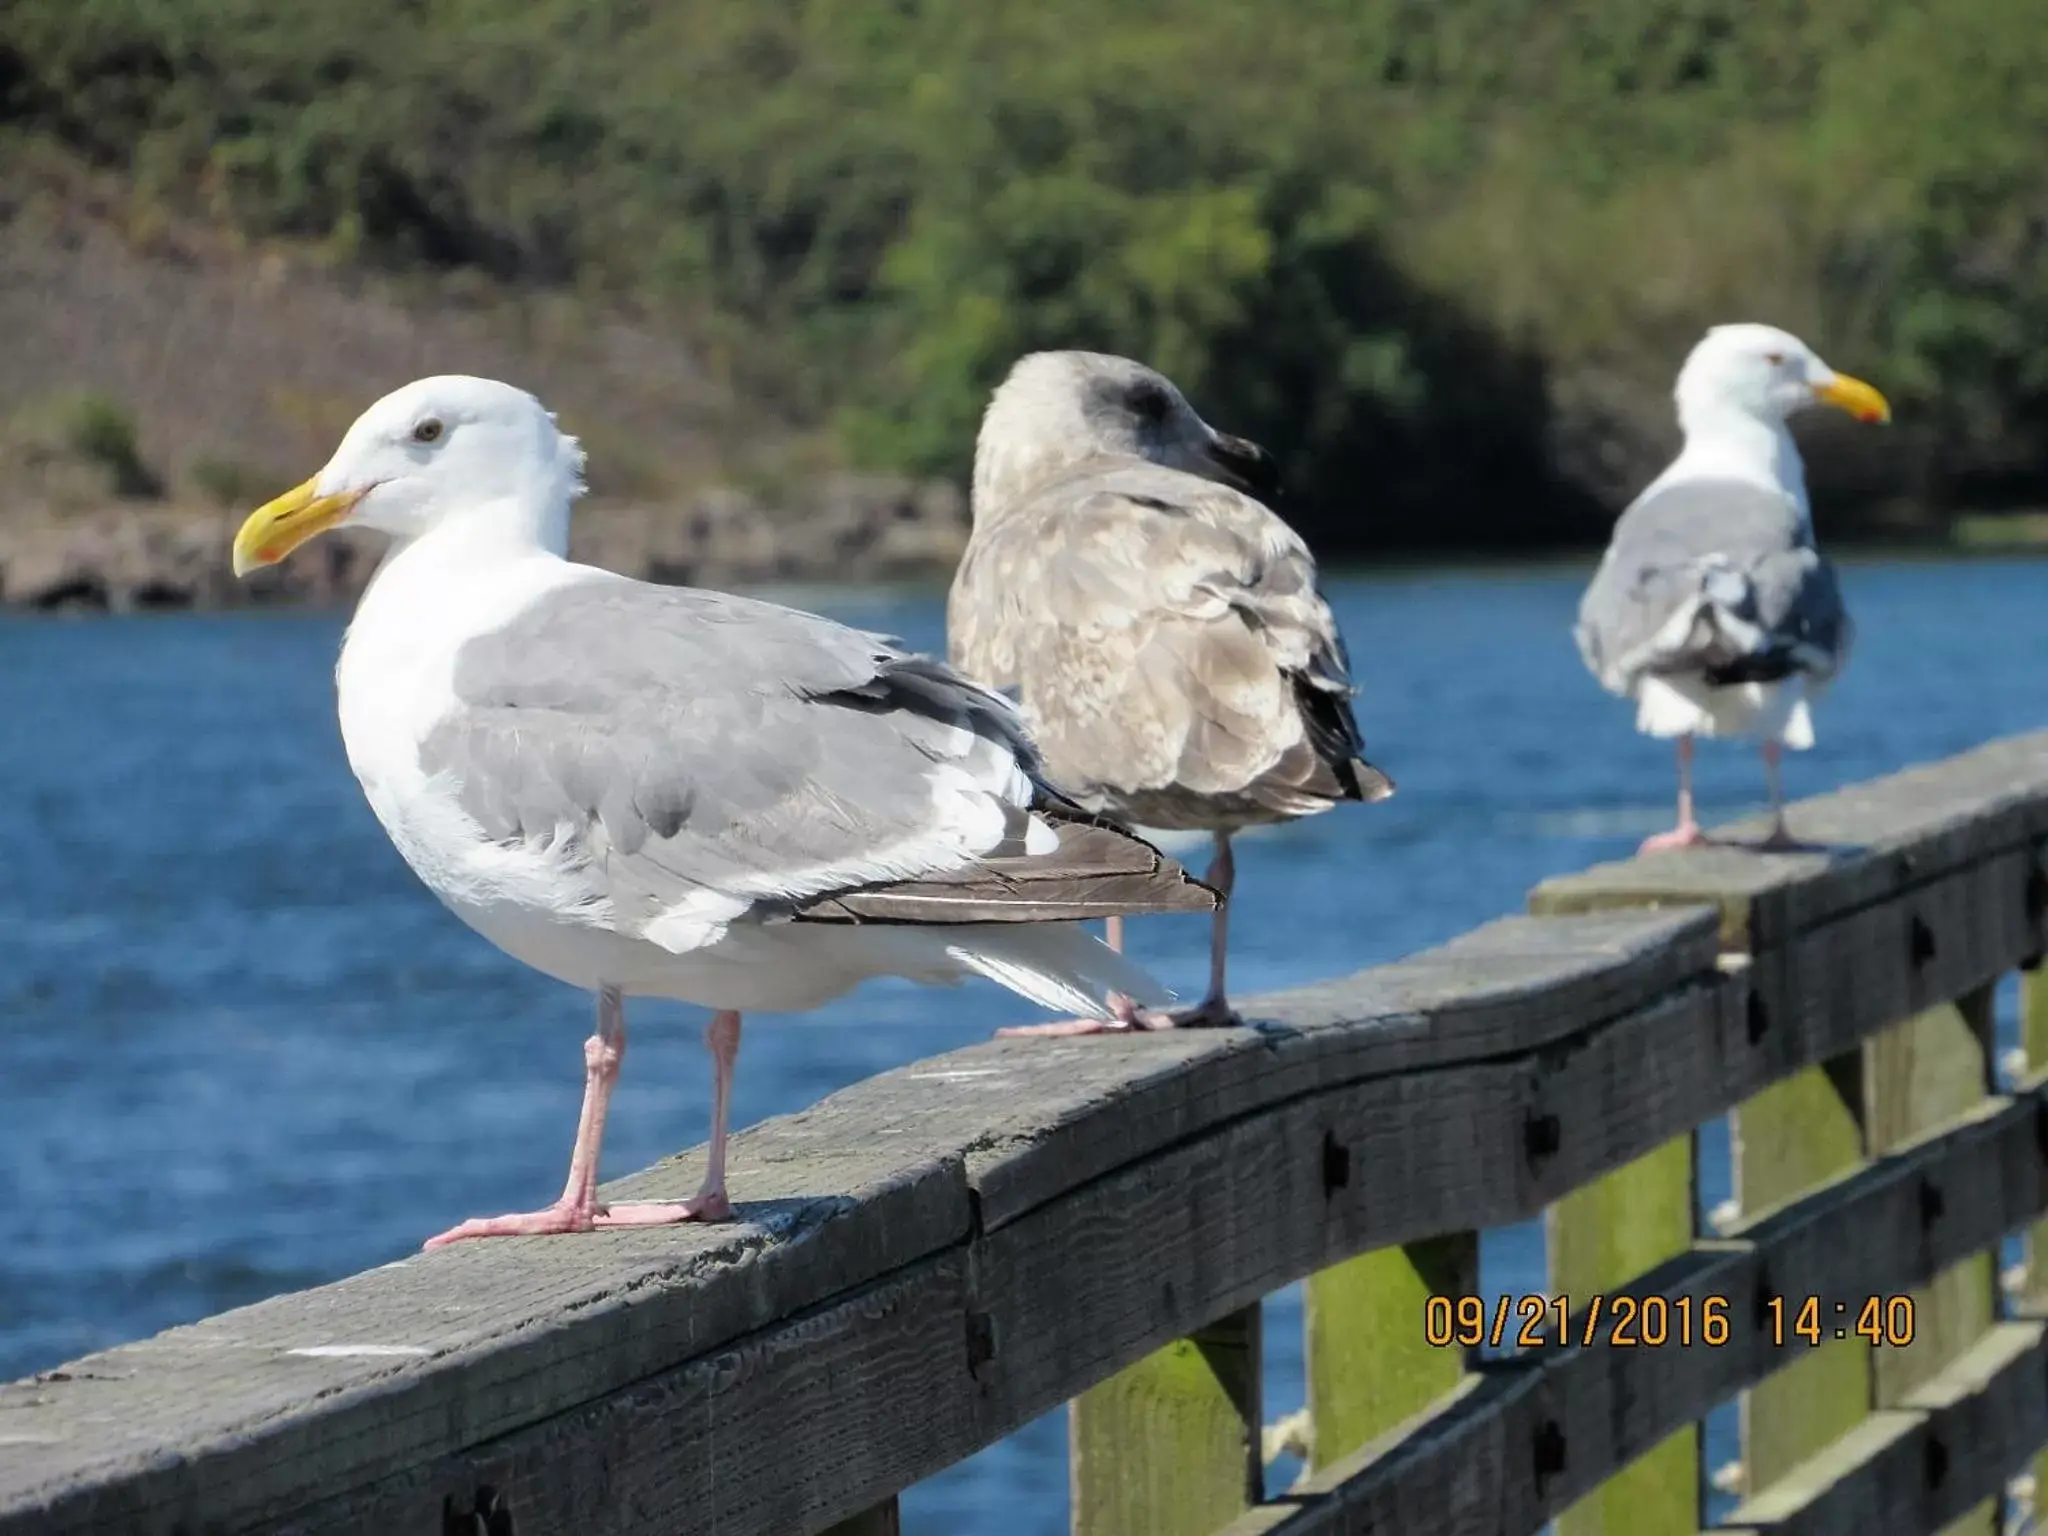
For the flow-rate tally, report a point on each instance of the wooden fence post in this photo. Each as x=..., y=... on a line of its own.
x=1602, y=1236
x=1171, y=1446
x=1794, y=1136
x=1920, y=1075
x=1370, y=1365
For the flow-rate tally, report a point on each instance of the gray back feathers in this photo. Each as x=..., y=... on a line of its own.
x=683, y=743
x=1172, y=655
x=1714, y=579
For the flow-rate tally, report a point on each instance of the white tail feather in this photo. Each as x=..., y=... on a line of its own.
x=1060, y=966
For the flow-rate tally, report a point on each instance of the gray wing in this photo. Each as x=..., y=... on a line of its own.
x=697, y=754
x=1716, y=579
x=1168, y=646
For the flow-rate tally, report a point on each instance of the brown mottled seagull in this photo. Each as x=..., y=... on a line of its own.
x=1713, y=608
x=652, y=791
x=1158, y=624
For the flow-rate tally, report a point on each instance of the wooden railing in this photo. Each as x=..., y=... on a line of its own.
x=935, y=1256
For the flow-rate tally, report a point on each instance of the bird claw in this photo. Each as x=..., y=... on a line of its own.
x=1125, y=1018
x=566, y=1216
x=1687, y=836
x=708, y=1206
x=1210, y=1013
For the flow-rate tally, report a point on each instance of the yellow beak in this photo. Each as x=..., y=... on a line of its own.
x=1855, y=397
x=278, y=527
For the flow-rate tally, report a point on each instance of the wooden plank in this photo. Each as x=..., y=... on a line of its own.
x=1793, y=1137
x=1602, y=1237
x=1224, y=1219
x=1071, y=1110
x=789, y=1431
x=1880, y=838
x=1525, y=1438
x=256, y=1416
x=1171, y=1446
x=1369, y=1360
x=1932, y=1462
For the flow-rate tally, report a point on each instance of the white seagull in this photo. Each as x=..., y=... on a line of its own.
x=1712, y=608
x=1160, y=625
x=651, y=791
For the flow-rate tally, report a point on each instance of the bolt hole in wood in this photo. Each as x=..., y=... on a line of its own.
x=1932, y=1203
x=1549, y=1451
x=1756, y=1019
x=1936, y=1468
x=1336, y=1165
x=488, y=1513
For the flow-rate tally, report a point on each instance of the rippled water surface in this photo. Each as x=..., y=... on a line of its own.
x=243, y=1050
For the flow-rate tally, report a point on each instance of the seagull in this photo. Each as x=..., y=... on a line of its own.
x=652, y=791
x=1712, y=607
x=1158, y=623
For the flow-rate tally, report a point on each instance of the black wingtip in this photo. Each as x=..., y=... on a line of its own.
x=1369, y=783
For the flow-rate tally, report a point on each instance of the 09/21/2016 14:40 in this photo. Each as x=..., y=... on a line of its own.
x=1654, y=1322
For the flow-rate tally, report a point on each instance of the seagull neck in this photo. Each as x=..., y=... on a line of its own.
x=485, y=531
x=1735, y=444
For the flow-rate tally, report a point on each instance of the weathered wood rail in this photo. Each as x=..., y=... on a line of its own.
x=933, y=1257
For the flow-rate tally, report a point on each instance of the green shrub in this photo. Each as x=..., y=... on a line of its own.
x=100, y=431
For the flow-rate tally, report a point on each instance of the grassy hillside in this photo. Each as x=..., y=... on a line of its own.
x=1443, y=257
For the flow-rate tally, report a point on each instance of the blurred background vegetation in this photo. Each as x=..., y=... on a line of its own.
x=1443, y=258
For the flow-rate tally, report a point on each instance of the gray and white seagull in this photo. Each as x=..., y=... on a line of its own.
x=1713, y=609
x=651, y=791
x=1158, y=623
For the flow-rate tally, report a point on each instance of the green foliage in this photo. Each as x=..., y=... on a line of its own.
x=1401, y=241
x=100, y=431
x=77, y=449
x=227, y=483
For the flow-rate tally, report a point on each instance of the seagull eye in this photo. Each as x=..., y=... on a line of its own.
x=1149, y=401
x=428, y=431
x=1775, y=359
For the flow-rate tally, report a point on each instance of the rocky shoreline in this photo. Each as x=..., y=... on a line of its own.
x=141, y=555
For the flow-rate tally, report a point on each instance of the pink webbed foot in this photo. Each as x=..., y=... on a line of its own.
x=1125, y=1017
x=565, y=1216
x=709, y=1205
x=1686, y=836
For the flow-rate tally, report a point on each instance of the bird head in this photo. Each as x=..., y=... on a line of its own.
x=1058, y=408
x=425, y=452
x=1769, y=374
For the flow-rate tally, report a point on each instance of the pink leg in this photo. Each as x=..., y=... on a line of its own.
x=1781, y=835
x=1687, y=833
x=578, y=1210
x=1113, y=933
x=722, y=1040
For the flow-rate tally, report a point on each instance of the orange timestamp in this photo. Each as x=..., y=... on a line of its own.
x=1879, y=1320
x=1650, y=1322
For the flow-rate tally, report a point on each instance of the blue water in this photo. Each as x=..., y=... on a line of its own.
x=245, y=1052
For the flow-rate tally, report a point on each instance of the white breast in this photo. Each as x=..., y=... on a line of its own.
x=394, y=683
